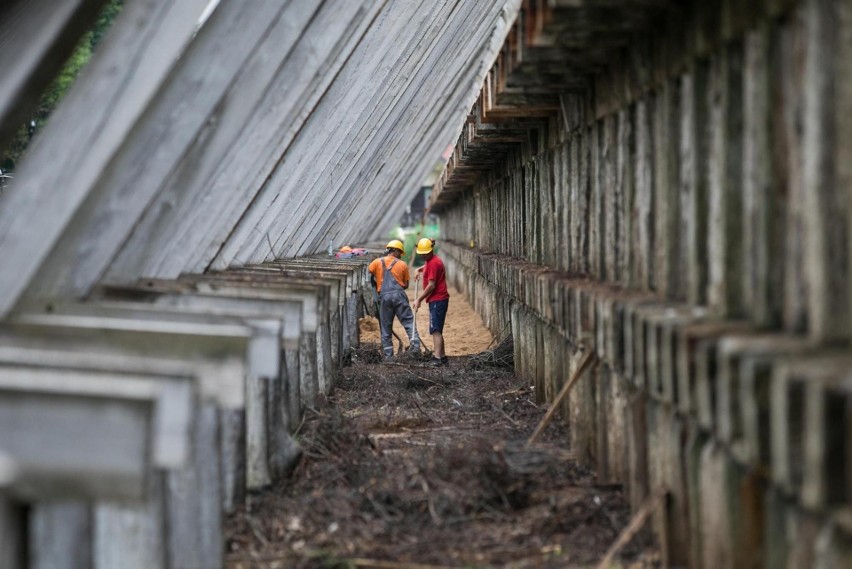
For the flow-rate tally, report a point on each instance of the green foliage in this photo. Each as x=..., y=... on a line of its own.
x=57, y=90
x=105, y=20
x=60, y=86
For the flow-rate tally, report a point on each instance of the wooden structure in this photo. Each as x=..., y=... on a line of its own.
x=167, y=320
x=668, y=184
x=665, y=183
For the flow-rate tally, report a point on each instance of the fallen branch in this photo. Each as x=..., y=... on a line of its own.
x=587, y=361
x=633, y=527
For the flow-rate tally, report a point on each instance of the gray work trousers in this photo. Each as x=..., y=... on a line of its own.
x=396, y=304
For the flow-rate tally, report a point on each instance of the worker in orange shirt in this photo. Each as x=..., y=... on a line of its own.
x=390, y=277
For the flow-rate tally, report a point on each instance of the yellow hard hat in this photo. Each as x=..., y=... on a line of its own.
x=346, y=249
x=396, y=244
x=424, y=246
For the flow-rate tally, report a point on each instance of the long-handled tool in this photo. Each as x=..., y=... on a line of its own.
x=416, y=333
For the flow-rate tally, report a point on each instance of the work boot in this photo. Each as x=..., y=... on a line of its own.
x=445, y=360
x=436, y=362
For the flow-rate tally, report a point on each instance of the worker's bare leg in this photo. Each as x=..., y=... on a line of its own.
x=438, y=343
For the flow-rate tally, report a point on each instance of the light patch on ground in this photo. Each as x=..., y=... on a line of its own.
x=464, y=331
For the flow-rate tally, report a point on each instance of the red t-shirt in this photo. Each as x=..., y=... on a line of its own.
x=434, y=271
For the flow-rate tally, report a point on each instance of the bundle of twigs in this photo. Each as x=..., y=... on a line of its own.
x=366, y=353
x=501, y=356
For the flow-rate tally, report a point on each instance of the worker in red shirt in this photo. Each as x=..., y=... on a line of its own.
x=390, y=277
x=436, y=295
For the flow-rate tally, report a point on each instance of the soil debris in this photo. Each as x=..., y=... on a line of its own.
x=464, y=331
x=501, y=356
x=429, y=466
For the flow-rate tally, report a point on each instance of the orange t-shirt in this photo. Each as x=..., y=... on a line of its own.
x=399, y=271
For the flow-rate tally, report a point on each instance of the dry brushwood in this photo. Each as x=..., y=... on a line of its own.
x=501, y=356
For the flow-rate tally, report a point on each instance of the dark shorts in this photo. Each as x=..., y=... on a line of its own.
x=437, y=315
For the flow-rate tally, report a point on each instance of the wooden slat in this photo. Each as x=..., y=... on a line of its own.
x=370, y=157
x=84, y=132
x=173, y=120
x=275, y=93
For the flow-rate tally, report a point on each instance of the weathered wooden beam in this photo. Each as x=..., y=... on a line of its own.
x=12, y=530
x=174, y=120
x=332, y=217
x=99, y=117
x=95, y=430
x=275, y=92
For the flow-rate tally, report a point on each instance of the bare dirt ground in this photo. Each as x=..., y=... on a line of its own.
x=406, y=467
x=464, y=332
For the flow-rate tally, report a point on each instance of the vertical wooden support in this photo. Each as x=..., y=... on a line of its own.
x=724, y=245
x=61, y=535
x=13, y=523
x=308, y=381
x=827, y=168
x=582, y=204
x=133, y=536
x=644, y=274
x=693, y=182
x=762, y=290
x=293, y=389
x=232, y=458
x=624, y=185
x=194, y=500
x=597, y=268
x=612, y=198
x=788, y=99
x=667, y=239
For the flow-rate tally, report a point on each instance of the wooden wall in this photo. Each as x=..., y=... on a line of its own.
x=687, y=218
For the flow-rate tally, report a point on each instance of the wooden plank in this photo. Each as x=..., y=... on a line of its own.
x=430, y=140
x=61, y=535
x=173, y=120
x=789, y=156
x=264, y=349
x=12, y=533
x=724, y=243
x=279, y=87
x=263, y=360
x=132, y=535
x=320, y=132
x=643, y=229
x=85, y=446
x=826, y=170
x=290, y=312
x=762, y=291
x=194, y=501
x=183, y=296
x=667, y=238
x=328, y=203
x=693, y=182
x=97, y=113
x=215, y=353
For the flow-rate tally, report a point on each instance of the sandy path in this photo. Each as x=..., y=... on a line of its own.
x=464, y=332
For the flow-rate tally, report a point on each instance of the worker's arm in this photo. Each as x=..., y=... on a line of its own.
x=426, y=292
